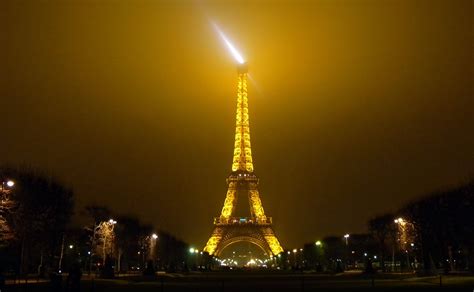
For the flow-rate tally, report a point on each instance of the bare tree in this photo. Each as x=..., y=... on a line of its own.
x=105, y=239
x=6, y=208
x=383, y=230
x=42, y=209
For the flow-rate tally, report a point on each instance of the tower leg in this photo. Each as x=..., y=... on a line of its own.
x=214, y=240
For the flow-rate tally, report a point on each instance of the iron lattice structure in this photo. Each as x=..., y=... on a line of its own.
x=228, y=228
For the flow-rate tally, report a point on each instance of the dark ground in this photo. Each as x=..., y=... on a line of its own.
x=268, y=281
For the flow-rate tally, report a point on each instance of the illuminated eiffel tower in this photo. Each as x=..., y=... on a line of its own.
x=242, y=182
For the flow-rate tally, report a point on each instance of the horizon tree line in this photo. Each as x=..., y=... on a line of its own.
x=432, y=233
x=36, y=234
x=427, y=235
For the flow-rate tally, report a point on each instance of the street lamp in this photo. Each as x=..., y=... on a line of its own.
x=318, y=243
x=405, y=235
x=346, y=238
x=152, y=247
x=399, y=220
x=6, y=204
x=7, y=184
x=107, y=232
x=294, y=256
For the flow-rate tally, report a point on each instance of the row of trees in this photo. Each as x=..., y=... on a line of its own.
x=36, y=234
x=432, y=233
x=36, y=209
x=427, y=235
x=440, y=226
x=124, y=243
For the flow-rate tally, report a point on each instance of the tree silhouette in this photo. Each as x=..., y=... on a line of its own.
x=444, y=224
x=43, y=207
x=6, y=206
x=383, y=230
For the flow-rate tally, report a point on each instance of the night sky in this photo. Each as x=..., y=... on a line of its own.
x=357, y=106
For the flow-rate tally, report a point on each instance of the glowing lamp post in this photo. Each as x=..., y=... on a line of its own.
x=152, y=247
x=406, y=234
x=107, y=232
x=7, y=185
x=6, y=204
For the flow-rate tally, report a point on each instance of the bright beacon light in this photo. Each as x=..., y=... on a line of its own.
x=229, y=45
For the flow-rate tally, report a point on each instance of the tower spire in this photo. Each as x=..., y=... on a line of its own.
x=242, y=160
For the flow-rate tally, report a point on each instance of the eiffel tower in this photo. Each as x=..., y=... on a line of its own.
x=242, y=182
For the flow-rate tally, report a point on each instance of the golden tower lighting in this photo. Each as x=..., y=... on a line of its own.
x=242, y=182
